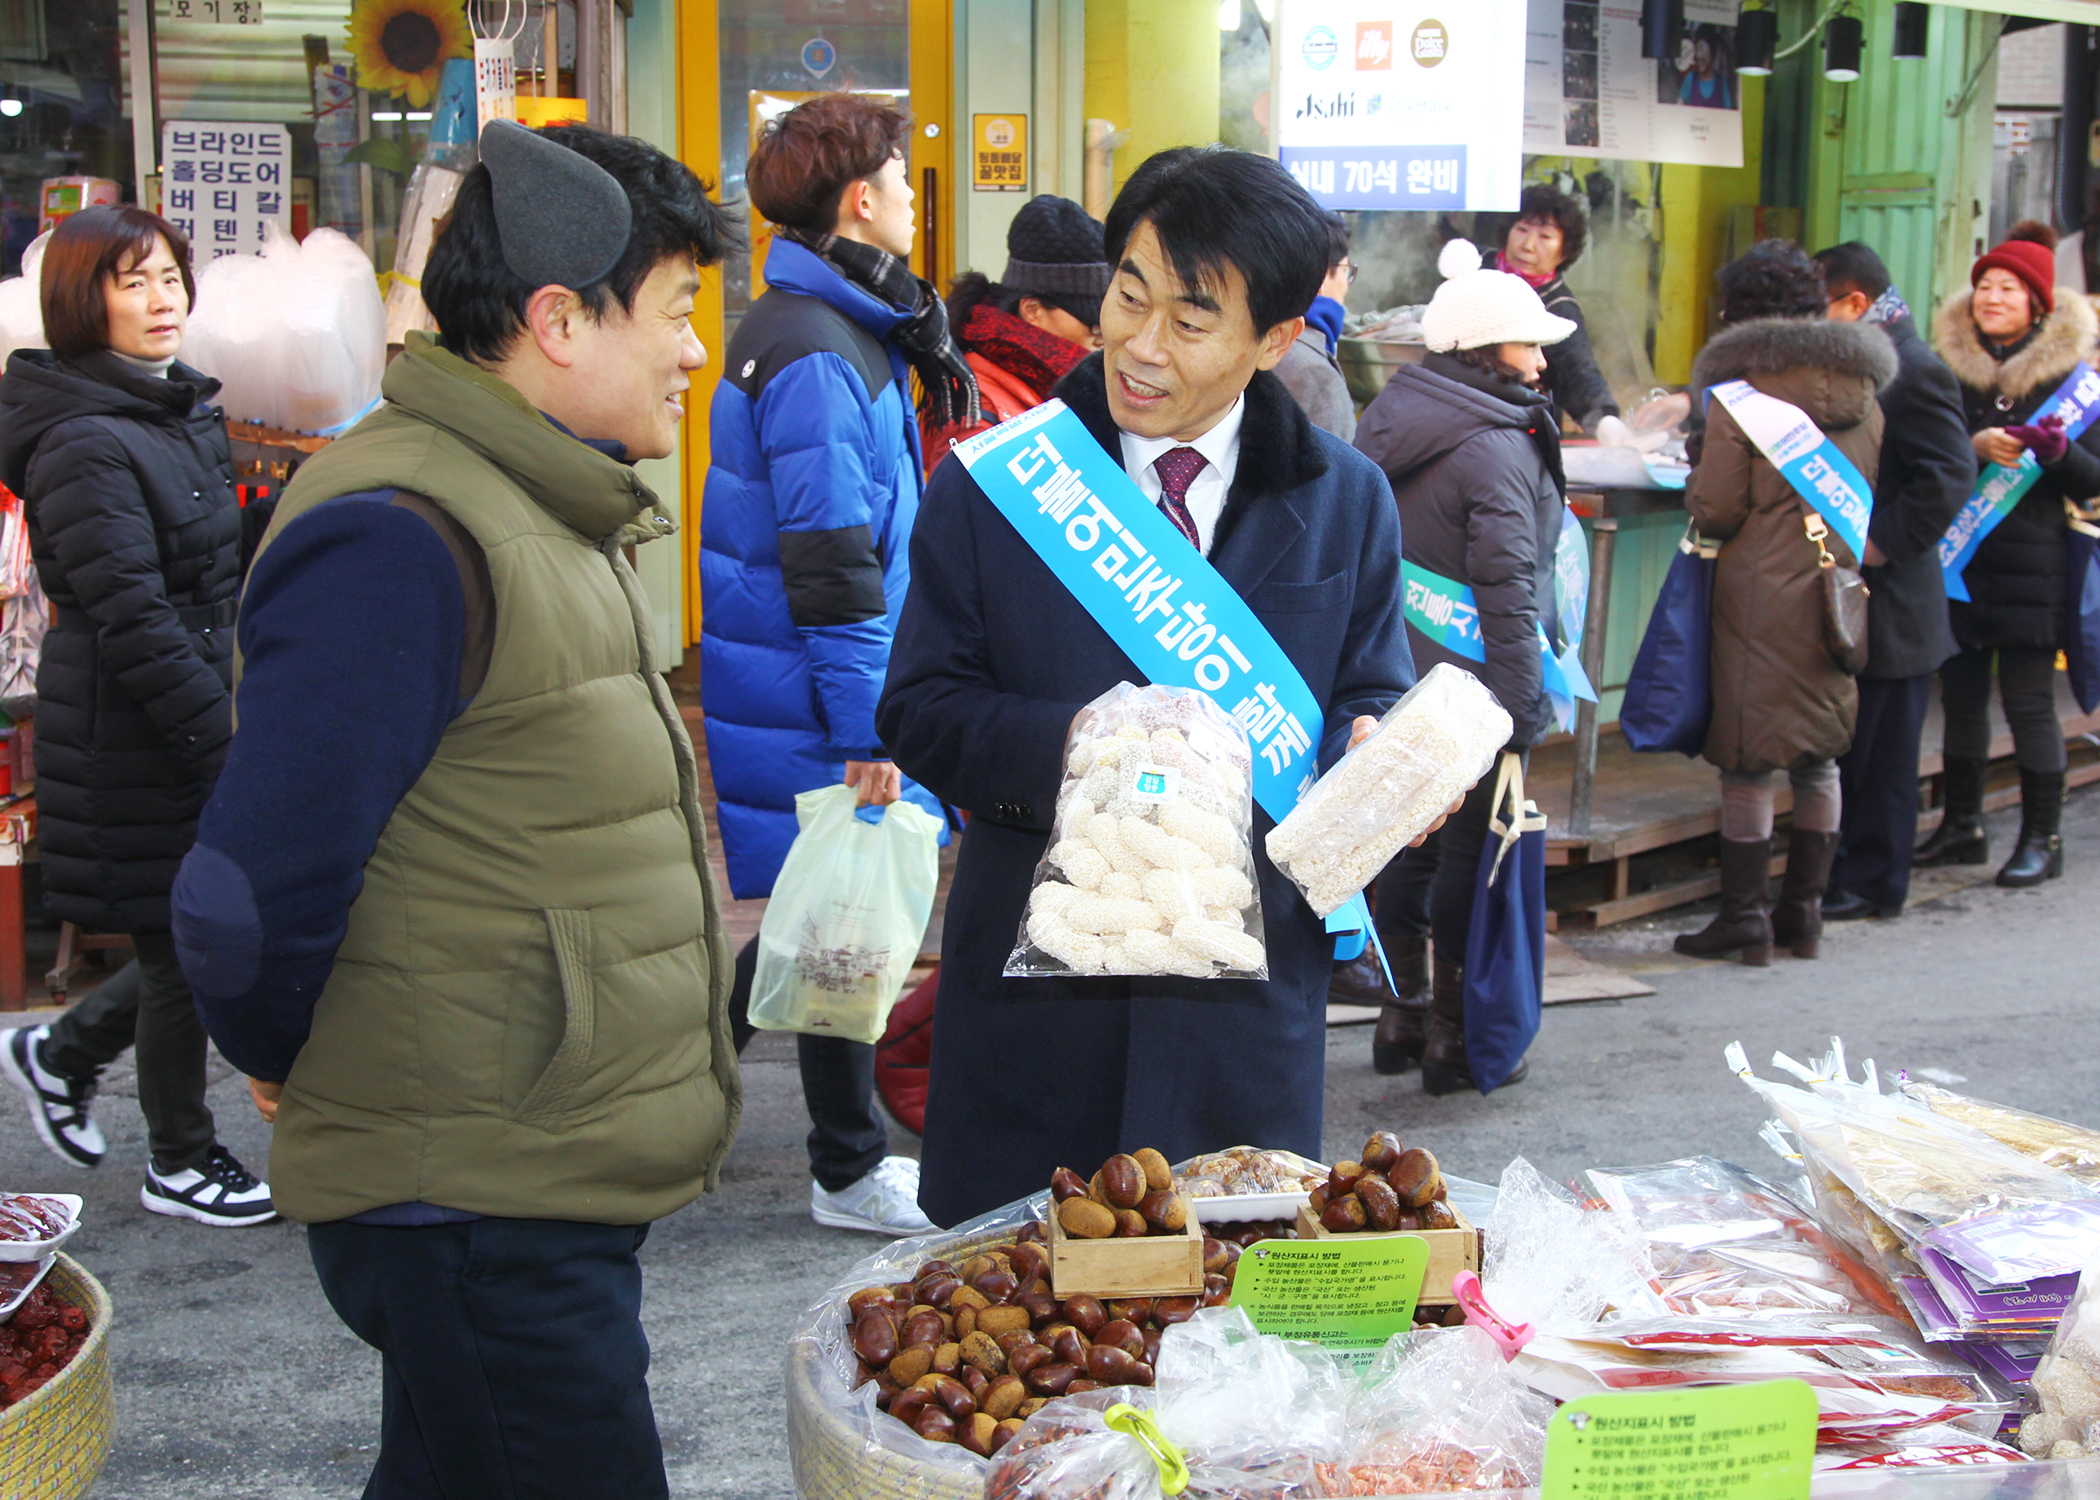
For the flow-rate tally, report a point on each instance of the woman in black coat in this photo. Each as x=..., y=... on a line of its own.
x=128, y=484
x=1473, y=452
x=2011, y=340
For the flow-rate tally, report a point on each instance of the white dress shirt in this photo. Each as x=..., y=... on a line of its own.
x=1206, y=496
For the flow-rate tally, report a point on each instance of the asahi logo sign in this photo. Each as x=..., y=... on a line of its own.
x=1429, y=44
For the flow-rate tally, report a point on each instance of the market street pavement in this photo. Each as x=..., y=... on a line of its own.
x=235, y=1380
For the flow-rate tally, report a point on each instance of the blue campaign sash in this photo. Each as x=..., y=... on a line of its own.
x=1806, y=459
x=1159, y=599
x=1998, y=488
x=1444, y=610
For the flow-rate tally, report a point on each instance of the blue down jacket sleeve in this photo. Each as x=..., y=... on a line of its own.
x=815, y=432
x=351, y=633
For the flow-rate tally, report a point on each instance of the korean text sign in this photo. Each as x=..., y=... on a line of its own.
x=221, y=183
x=1725, y=1442
x=1402, y=104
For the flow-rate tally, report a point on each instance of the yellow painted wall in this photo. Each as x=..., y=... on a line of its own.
x=1152, y=69
x=1696, y=202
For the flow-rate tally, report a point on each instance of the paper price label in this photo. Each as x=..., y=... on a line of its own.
x=1349, y=1295
x=1733, y=1442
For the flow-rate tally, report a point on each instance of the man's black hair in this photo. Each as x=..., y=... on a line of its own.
x=1772, y=279
x=1853, y=267
x=1337, y=240
x=1214, y=207
x=478, y=301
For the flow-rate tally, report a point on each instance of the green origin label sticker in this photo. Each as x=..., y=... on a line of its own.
x=1729, y=1442
x=1343, y=1293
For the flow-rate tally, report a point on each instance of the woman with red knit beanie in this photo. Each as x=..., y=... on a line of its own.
x=2012, y=340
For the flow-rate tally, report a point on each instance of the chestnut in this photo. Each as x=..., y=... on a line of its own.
x=1066, y=1183
x=1071, y=1346
x=935, y=1425
x=1051, y=1379
x=1122, y=1181
x=1027, y=1358
x=1110, y=1365
x=1343, y=1215
x=1380, y=1151
x=875, y=1337
x=1085, y=1314
x=1381, y=1203
x=1172, y=1310
x=1121, y=1333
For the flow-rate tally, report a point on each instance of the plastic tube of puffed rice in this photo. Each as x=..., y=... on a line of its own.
x=1426, y=753
x=1150, y=870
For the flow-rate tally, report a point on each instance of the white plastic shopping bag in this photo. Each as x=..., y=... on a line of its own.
x=843, y=926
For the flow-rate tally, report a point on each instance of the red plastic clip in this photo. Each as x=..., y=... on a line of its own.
x=1509, y=1337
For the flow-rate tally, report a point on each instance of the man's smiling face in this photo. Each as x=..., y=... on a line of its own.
x=1177, y=356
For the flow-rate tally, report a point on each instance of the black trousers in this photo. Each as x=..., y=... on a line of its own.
x=1879, y=779
x=1430, y=889
x=2026, y=688
x=145, y=1006
x=514, y=1366
x=847, y=1139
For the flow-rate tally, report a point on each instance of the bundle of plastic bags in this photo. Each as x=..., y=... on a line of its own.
x=1929, y=1180
x=296, y=336
x=1149, y=870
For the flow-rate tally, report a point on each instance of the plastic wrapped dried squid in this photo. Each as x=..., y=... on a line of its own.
x=1149, y=869
x=1426, y=753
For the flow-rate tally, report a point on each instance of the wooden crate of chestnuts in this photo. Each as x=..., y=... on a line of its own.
x=1392, y=1191
x=1127, y=1232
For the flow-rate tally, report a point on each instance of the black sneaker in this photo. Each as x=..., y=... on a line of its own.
x=58, y=1105
x=221, y=1192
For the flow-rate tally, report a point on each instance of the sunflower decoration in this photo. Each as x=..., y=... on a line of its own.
x=401, y=45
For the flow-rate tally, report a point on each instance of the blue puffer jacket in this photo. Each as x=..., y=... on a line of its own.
x=805, y=528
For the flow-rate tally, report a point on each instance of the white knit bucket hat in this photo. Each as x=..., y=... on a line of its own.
x=1475, y=308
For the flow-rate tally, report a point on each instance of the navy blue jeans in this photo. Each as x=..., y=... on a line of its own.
x=514, y=1363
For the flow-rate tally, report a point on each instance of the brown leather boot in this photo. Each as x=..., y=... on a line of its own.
x=1396, y=1045
x=1742, y=924
x=1797, y=919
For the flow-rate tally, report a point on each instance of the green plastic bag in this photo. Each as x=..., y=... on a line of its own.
x=842, y=928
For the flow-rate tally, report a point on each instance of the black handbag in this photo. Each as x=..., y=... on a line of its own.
x=1845, y=595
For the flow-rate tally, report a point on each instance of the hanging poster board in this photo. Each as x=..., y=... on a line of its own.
x=1402, y=104
x=1589, y=92
x=220, y=182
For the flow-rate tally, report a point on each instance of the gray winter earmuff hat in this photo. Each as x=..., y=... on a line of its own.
x=562, y=219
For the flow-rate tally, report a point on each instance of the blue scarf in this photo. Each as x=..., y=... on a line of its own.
x=1887, y=308
x=1326, y=314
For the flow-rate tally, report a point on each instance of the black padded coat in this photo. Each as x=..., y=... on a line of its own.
x=2018, y=577
x=1476, y=466
x=128, y=485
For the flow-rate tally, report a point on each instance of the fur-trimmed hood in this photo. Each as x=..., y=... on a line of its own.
x=2067, y=335
x=1830, y=370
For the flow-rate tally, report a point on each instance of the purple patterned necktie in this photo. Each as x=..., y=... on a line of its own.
x=1177, y=469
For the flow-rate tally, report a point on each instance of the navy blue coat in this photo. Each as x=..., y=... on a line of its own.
x=993, y=658
x=813, y=482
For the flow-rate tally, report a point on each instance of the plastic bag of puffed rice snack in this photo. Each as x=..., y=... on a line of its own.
x=1149, y=868
x=1426, y=753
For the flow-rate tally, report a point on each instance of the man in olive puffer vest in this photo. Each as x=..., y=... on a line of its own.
x=450, y=904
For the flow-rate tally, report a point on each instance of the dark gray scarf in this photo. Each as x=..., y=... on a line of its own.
x=947, y=385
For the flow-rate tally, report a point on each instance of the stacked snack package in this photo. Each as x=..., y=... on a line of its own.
x=1149, y=870
x=1725, y=1244
x=1934, y=1183
x=2069, y=1148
